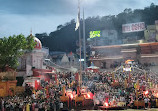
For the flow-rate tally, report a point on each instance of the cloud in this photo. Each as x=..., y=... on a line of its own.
x=19, y=16
x=36, y=7
x=113, y=7
x=17, y=24
x=69, y=7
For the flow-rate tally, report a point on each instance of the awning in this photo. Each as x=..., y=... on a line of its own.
x=148, y=55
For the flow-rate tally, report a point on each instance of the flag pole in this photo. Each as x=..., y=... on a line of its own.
x=84, y=41
x=78, y=26
x=80, y=77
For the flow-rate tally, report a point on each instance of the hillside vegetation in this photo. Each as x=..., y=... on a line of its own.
x=65, y=36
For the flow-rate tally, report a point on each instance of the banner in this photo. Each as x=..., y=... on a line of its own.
x=133, y=27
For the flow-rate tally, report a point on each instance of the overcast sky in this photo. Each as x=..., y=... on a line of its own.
x=19, y=16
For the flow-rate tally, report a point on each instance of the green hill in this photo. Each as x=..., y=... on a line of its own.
x=65, y=37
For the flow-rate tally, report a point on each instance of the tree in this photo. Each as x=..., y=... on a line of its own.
x=59, y=27
x=12, y=48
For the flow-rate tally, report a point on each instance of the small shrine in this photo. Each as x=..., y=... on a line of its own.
x=8, y=82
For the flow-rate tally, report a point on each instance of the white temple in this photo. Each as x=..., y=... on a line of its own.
x=32, y=60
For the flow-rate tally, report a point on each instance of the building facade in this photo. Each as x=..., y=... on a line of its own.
x=112, y=56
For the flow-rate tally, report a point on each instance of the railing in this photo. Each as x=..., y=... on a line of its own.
x=60, y=65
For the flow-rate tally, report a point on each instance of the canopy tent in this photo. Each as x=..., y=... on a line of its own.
x=129, y=61
x=92, y=69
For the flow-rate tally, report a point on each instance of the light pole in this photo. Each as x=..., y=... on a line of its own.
x=84, y=41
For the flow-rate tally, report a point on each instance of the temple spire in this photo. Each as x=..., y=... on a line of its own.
x=31, y=32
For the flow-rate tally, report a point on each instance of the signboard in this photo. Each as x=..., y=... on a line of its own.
x=133, y=27
x=156, y=24
x=94, y=34
x=81, y=59
x=150, y=33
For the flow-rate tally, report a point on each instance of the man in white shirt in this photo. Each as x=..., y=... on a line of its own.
x=33, y=96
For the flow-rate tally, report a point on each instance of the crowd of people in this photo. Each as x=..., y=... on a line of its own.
x=107, y=87
x=38, y=101
x=44, y=98
x=122, y=86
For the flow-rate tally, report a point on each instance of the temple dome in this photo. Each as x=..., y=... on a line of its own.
x=38, y=43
